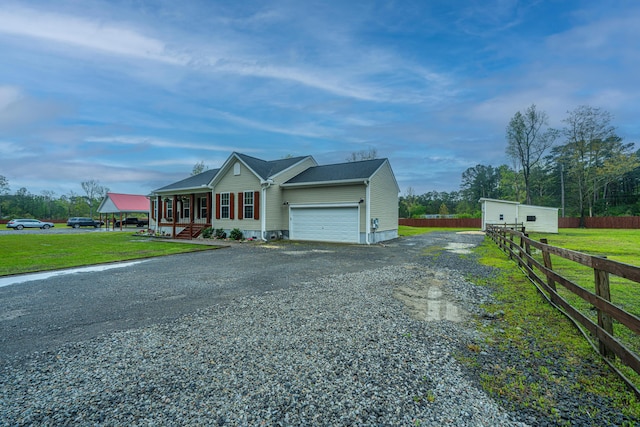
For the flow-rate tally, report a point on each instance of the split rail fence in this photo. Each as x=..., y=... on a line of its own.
x=517, y=244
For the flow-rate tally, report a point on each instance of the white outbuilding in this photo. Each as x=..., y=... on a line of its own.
x=534, y=218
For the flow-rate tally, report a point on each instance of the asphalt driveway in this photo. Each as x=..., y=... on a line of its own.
x=41, y=315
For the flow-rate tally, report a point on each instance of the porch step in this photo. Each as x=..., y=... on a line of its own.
x=191, y=231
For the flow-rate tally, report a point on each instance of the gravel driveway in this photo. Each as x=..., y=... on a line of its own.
x=273, y=334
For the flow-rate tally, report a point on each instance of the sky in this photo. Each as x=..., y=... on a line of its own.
x=133, y=94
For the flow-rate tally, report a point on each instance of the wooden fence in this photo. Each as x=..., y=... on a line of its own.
x=442, y=222
x=518, y=245
x=627, y=222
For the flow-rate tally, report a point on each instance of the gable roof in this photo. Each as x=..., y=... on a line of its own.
x=266, y=169
x=196, y=181
x=118, y=202
x=349, y=172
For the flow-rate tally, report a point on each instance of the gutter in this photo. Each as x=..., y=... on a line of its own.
x=263, y=207
x=368, y=212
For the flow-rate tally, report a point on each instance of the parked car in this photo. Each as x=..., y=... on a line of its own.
x=132, y=221
x=76, y=222
x=19, y=224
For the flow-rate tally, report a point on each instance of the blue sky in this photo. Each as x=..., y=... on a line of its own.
x=135, y=93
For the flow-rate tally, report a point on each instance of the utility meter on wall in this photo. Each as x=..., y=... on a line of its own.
x=374, y=223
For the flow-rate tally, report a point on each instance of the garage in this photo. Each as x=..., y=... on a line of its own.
x=326, y=224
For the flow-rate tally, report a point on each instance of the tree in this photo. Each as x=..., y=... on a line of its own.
x=4, y=185
x=590, y=140
x=409, y=205
x=480, y=181
x=4, y=189
x=370, y=154
x=48, y=198
x=93, y=191
x=527, y=141
x=510, y=184
x=199, y=168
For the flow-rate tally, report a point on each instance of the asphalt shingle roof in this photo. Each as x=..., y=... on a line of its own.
x=338, y=172
x=194, y=181
x=268, y=168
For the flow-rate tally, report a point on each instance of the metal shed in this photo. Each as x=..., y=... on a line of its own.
x=534, y=218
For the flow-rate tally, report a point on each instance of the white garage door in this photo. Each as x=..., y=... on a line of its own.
x=334, y=224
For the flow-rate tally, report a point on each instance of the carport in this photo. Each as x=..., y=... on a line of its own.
x=122, y=205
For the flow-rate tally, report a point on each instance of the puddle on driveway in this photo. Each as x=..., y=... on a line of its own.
x=427, y=301
x=459, y=248
x=22, y=278
x=312, y=251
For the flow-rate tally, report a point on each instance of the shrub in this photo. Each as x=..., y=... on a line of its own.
x=236, y=234
x=220, y=234
x=207, y=232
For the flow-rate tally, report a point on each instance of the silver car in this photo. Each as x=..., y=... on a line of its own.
x=19, y=224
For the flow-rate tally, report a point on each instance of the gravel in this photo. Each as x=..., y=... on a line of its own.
x=337, y=350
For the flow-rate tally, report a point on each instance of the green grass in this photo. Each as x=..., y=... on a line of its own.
x=539, y=334
x=617, y=245
x=26, y=253
x=405, y=230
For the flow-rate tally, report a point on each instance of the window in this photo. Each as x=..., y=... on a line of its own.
x=224, y=205
x=169, y=204
x=531, y=218
x=501, y=217
x=186, y=208
x=203, y=207
x=154, y=209
x=248, y=204
x=236, y=169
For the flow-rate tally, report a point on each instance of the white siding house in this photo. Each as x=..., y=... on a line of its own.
x=533, y=218
x=295, y=198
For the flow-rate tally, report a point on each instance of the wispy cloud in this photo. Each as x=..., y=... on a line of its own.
x=160, y=143
x=87, y=33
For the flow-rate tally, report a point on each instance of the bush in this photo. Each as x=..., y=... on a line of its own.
x=220, y=234
x=236, y=234
x=207, y=233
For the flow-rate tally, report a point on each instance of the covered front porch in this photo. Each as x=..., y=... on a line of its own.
x=181, y=216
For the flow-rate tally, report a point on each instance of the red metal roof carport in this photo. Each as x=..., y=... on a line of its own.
x=118, y=203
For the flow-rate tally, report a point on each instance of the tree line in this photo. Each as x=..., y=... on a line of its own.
x=46, y=205
x=584, y=168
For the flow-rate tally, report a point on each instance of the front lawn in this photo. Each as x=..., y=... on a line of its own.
x=27, y=253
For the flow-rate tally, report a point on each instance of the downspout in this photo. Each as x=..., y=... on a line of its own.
x=368, y=212
x=263, y=209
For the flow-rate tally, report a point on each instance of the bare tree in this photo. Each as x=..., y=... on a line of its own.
x=370, y=154
x=528, y=138
x=93, y=191
x=199, y=168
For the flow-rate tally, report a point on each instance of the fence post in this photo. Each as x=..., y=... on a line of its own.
x=546, y=258
x=527, y=249
x=604, y=320
x=510, y=245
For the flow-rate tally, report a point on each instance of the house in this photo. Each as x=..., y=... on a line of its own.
x=533, y=218
x=293, y=198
